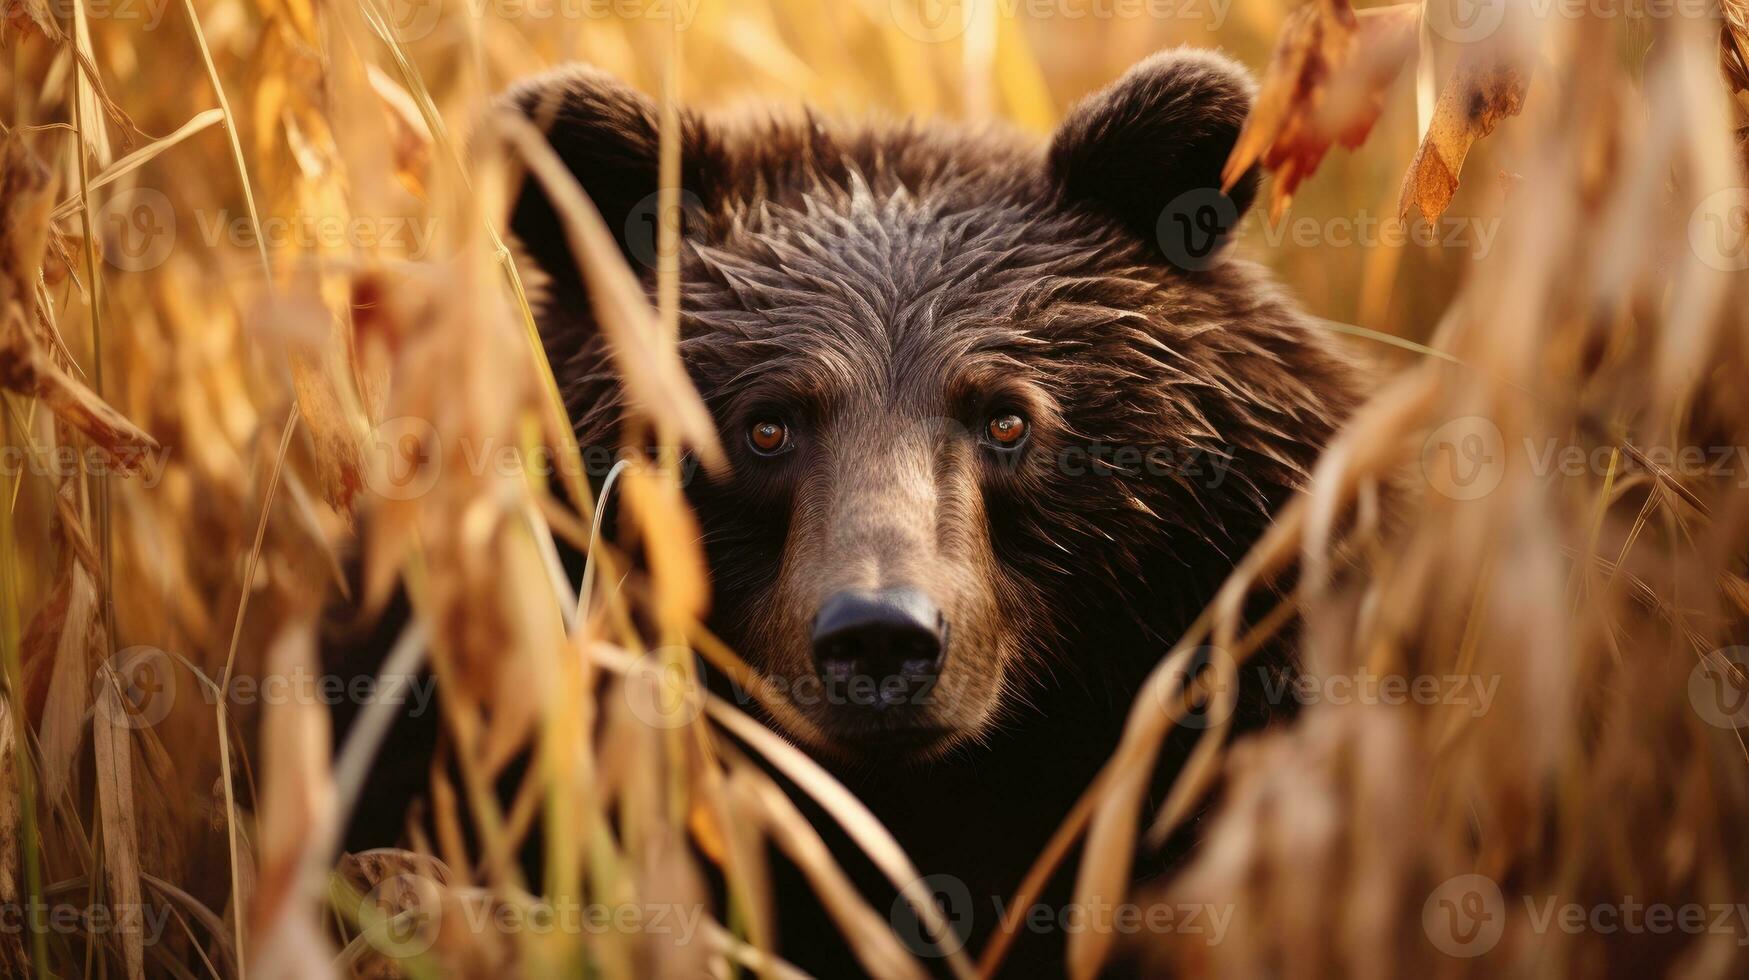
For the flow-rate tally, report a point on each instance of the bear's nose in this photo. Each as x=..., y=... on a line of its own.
x=879, y=641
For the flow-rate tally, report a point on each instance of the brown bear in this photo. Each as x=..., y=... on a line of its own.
x=1001, y=415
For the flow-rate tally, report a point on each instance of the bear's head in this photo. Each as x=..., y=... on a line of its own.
x=1000, y=413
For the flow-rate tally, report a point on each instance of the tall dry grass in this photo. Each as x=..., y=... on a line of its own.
x=255, y=289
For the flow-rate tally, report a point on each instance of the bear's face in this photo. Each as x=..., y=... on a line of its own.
x=997, y=420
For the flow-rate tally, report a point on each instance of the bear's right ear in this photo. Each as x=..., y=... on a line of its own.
x=608, y=136
x=1148, y=151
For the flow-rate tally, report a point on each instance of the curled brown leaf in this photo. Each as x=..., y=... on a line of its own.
x=1483, y=89
x=1326, y=82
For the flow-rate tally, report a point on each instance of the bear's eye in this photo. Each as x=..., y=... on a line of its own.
x=768, y=437
x=1006, y=431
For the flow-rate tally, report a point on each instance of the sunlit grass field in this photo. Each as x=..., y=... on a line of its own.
x=244, y=243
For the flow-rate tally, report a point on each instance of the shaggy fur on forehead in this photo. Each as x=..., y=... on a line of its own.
x=910, y=252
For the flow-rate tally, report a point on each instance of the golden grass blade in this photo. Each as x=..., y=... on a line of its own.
x=297, y=810
x=750, y=957
x=63, y=717
x=231, y=130
x=139, y=158
x=254, y=559
x=24, y=369
x=89, y=105
x=113, y=743
x=651, y=369
x=231, y=809
x=852, y=814
x=870, y=934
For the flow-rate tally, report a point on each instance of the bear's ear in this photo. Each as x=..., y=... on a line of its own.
x=608, y=136
x=1148, y=151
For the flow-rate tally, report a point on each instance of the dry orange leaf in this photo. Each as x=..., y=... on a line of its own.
x=1326, y=82
x=118, y=815
x=671, y=535
x=20, y=14
x=26, y=196
x=23, y=369
x=1483, y=89
x=64, y=710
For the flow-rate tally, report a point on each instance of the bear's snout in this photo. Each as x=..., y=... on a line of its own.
x=888, y=642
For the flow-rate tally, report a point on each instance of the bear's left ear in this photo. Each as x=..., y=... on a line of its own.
x=1148, y=151
x=608, y=135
